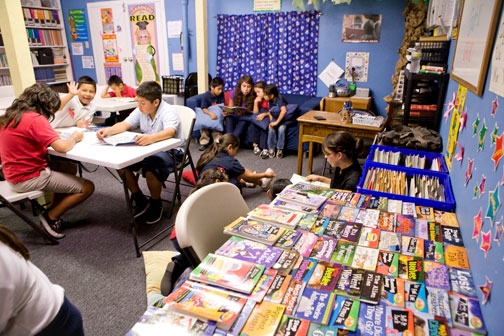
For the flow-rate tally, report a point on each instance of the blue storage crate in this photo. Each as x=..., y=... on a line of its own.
x=430, y=156
x=444, y=179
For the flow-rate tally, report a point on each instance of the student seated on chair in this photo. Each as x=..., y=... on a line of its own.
x=341, y=150
x=77, y=107
x=158, y=121
x=212, y=97
x=25, y=134
x=117, y=88
x=29, y=303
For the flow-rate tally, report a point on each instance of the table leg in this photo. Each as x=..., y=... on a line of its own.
x=310, y=158
x=300, y=151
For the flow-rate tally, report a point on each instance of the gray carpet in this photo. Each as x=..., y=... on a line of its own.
x=96, y=261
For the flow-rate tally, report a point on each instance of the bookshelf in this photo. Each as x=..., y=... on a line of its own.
x=46, y=36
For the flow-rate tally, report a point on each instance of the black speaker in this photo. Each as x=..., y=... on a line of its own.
x=45, y=56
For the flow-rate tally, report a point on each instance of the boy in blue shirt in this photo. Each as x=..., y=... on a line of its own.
x=212, y=97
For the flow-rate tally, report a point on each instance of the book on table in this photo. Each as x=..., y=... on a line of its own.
x=268, y=214
x=240, y=110
x=255, y=230
x=124, y=138
x=230, y=273
x=303, y=198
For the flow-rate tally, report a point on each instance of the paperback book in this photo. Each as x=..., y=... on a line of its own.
x=230, y=273
x=368, y=217
x=372, y=319
x=456, y=256
x=393, y=291
x=264, y=283
x=288, y=239
x=348, y=214
x=344, y=253
x=305, y=243
x=315, y=305
x=305, y=270
x=412, y=246
x=324, y=248
x=422, y=228
x=433, y=251
x=415, y=296
x=394, y=205
x=292, y=296
x=369, y=237
x=411, y=268
x=269, y=214
x=388, y=263
x=324, y=276
x=302, y=198
x=240, y=321
x=452, y=235
x=278, y=288
x=340, y=196
x=330, y=210
x=292, y=326
x=462, y=282
x=345, y=314
x=334, y=228
x=446, y=218
x=365, y=258
x=399, y=321
x=124, y=138
x=249, y=250
x=386, y=221
x=255, y=230
x=263, y=320
x=240, y=110
x=425, y=212
x=307, y=222
x=351, y=232
x=371, y=287
x=389, y=241
x=405, y=225
x=436, y=275
x=319, y=226
x=467, y=314
x=285, y=263
x=278, y=203
x=435, y=232
x=430, y=324
x=438, y=303
x=408, y=208
x=311, y=188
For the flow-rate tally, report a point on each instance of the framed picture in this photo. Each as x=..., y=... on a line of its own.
x=478, y=21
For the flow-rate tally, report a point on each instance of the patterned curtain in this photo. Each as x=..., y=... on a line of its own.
x=278, y=48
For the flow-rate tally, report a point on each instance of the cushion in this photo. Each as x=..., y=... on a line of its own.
x=204, y=121
x=189, y=176
x=291, y=115
x=155, y=267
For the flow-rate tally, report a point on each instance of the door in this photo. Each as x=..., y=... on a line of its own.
x=129, y=40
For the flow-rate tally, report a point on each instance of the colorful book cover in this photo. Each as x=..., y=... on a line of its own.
x=368, y=217
x=330, y=210
x=278, y=288
x=206, y=302
x=288, y=239
x=264, y=319
x=356, y=283
x=460, y=332
x=334, y=228
x=255, y=230
x=278, y=203
x=241, y=320
x=415, y=269
x=307, y=222
x=382, y=203
x=415, y=296
x=462, y=282
x=389, y=241
x=372, y=319
x=452, y=235
x=312, y=189
x=269, y=214
x=305, y=243
x=388, y=263
x=393, y=291
x=343, y=285
x=363, y=201
x=263, y=285
x=325, y=276
x=286, y=262
x=348, y=214
x=412, y=246
x=340, y=196
x=352, y=201
x=304, y=270
x=345, y=314
x=422, y=228
x=324, y=248
x=405, y=225
x=446, y=218
x=238, y=275
x=466, y=313
x=319, y=226
x=394, y=206
x=369, y=237
x=425, y=212
x=436, y=275
x=371, y=287
x=365, y=258
x=430, y=324
x=155, y=321
x=315, y=305
x=402, y=271
x=249, y=250
x=435, y=232
x=438, y=303
x=408, y=208
x=386, y=221
x=344, y=253
x=351, y=232
x=434, y=251
x=374, y=202
x=292, y=295
x=399, y=322
x=291, y=326
x=303, y=198
x=456, y=256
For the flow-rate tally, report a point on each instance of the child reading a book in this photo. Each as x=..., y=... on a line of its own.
x=244, y=96
x=222, y=153
x=276, y=129
x=25, y=134
x=77, y=107
x=157, y=121
x=117, y=88
x=341, y=150
x=209, y=117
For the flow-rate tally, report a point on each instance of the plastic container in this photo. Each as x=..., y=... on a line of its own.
x=173, y=84
x=416, y=58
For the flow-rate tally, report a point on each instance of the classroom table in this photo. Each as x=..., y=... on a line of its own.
x=91, y=150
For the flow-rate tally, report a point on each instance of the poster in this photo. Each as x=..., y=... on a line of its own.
x=110, y=48
x=267, y=5
x=107, y=18
x=497, y=69
x=357, y=64
x=361, y=28
x=453, y=132
x=78, y=25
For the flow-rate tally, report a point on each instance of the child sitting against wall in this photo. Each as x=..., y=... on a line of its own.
x=209, y=117
x=277, y=128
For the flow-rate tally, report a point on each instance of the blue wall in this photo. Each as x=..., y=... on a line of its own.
x=382, y=56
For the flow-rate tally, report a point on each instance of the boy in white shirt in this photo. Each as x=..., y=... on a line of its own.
x=77, y=107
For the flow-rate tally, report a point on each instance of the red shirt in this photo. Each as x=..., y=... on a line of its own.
x=127, y=92
x=24, y=149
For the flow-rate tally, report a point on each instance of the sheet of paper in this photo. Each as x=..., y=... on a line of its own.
x=77, y=48
x=331, y=73
x=87, y=62
x=178, y=61
x=174, y=28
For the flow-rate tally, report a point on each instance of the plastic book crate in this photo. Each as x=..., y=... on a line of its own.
x=173, y=84
x=430, y=156
x=444, y=179
x=435, y=52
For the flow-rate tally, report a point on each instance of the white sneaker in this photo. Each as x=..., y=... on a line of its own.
x=266, y=181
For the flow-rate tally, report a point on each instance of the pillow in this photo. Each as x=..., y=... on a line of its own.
x=155, y=267
x=189, y=176
x=291, y=115
x=204, y=121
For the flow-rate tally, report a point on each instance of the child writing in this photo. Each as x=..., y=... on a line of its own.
x=204, y=117
x=77, y=107
x=116, y=88
x=157, y=121
x=261, y=107
x=276, y=130
x=25, y=134
x=341, y=149
x=222, y=153
x=243, y=96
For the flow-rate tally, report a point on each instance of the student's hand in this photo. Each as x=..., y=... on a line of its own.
x=144, y=139
x=78, y=136
x=83, y=123
x=72, y=88
x=273, y=124
x=261, y=116
x=313, y=178
x=269, y=173
x=103, y=133
x=212, y=116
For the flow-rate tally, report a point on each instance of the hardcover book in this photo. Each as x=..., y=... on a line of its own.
x=462, y=282
x=393, y=291
x=324, y=248
x=466, y=313
x=399, y=321
x=264, y=319
x=388, y=263
x=405, y=225
x=278, y=288
x=330, y=210
x=345, y=314
x=206, y=302
x=365, y=258
x=436, y=275
x=249, y=250
x=456, y=256
x=315, y=305
x=235, y=274
x=389, y=241
x=285, y=263
x=412, y=246
x=372, y=319
x=266, y=213
x=325, y=276
x=291, y=326
x=434, y=251
x=452, y=235
x=351, y=232
x=344, y=253
x=302, y=198
x=255, y=230
x=369, y=237
x=415, y=296
x=438, y=303
x=288, y=239
x=292, y=295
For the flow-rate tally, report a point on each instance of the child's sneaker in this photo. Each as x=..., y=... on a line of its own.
x=279, y=153
x=271, y=153
x=266, y=181
x=257, y=150
x=52, y=227
x=264, y=154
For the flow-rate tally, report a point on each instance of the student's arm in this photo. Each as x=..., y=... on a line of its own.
x=250, y=176
x=318, y=178
x=116, y=128
x=105, y=93
x=283, y=112
x=147, y=139
x=64, y=145
x=72, y=92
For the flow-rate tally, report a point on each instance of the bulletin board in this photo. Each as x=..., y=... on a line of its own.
x=478, y=22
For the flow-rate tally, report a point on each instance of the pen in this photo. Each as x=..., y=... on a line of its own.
x=303, y=194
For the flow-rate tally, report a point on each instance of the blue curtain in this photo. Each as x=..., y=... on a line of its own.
x=278, y=48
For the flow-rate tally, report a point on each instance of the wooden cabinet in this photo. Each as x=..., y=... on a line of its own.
x=336, y=104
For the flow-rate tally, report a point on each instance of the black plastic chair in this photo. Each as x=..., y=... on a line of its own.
x=191, y=85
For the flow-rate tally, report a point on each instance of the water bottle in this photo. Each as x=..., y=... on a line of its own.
x=416, y=57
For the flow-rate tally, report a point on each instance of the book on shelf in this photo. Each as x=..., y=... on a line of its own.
x=155, y=321
x=315, y=305
x=230, y=273
x=255, y=230
x=206, y=302
x=249, y=250
x=123, y=138
x=462, y=282
x=264, y=319
x=269, y=214
x=466, y=313
x=345, y=314
x=302, y=198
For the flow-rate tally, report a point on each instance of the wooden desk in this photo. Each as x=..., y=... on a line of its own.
x=312, y=130
x=335, y=104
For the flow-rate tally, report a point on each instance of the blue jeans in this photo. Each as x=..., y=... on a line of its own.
x=236, y=124
x=276, y=137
